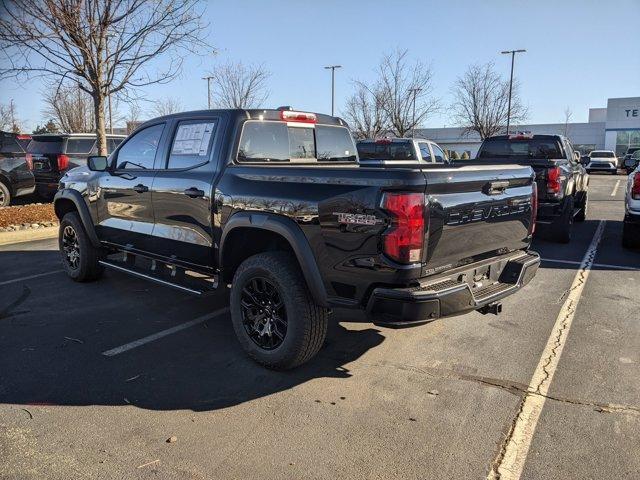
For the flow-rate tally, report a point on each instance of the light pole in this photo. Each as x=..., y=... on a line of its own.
x=413, y=122
x=333, y=80
x=208, y=79
x=513, y=56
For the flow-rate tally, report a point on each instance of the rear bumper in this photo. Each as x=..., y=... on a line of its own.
x=453, y=294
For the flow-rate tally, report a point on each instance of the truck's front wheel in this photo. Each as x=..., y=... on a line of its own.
x=80, y=258
x=274, y=316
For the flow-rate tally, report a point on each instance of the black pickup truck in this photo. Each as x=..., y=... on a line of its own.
x=15, y=178
x=274, y=204
x=562, y=180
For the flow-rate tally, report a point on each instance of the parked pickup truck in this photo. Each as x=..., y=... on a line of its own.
x=561, y=178
x=399, y=152
x=274, y=204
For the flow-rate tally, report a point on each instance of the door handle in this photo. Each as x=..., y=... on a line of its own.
x=140, y=188
x=193, y=192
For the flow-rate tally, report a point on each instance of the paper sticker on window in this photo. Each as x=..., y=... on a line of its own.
x=193, y=139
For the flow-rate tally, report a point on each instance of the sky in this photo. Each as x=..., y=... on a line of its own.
x=579, y=53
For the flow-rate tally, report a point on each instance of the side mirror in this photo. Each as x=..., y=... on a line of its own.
x=97, y=163
x=576, y=157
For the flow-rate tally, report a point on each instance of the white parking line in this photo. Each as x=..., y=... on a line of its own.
x=615, y=188
x=163, y=333
x=597, y=265
x=512, y=457
x=22, y=279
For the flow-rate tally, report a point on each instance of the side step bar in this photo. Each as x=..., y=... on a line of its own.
x=144, y=276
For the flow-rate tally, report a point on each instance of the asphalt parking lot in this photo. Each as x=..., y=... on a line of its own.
x=94, y=378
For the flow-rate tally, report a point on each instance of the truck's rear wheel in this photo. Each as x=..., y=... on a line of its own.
x=584, y=204
x=274, y=316
x=5, y=195
x=562, y=227
x=79, y=257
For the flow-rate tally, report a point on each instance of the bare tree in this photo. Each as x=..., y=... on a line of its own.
x=236, y=85
x=406, y=91
x=70, y=107
x=166, y=106
x=481, y=99
x=106, y=46
x=133, y=117
x=9, y=117
x=567, y=118
x=364, y=112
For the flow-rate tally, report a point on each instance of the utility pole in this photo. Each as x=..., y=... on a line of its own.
x=513, y=56
x=415, y=92
x=333, y=80
x=208, y=79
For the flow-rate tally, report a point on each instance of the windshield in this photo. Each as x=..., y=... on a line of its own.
x=402, y=150
x=600, y=154
x=519, y=149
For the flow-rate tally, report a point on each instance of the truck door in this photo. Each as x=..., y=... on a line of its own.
x=182, y=192
x=125, y=212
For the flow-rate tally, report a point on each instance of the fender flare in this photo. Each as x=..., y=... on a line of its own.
x=292, y=233
x=83, y=212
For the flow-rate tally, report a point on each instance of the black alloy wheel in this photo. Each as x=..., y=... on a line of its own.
x=71, y=247
x=264, y=315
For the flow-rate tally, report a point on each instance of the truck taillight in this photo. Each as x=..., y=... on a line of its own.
x=63, y=162
x=534, y=208
x=635, y=188
x=404, y=240
x=29, y=159
x=554, y=184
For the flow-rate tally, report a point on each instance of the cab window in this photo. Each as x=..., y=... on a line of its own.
x=192, y=143
x=438, y=154
x=139, y=152
x=425, y=152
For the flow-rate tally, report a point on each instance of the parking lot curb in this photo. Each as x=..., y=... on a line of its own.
x=7, y=238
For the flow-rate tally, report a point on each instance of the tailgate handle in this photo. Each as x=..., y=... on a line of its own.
x=497, y=187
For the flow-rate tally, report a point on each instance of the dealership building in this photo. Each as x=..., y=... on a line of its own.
x=616, y=127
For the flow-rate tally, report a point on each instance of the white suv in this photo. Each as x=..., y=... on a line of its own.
x=631, y=225
x=603, y=161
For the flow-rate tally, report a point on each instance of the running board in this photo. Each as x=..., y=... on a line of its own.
x=134, y=272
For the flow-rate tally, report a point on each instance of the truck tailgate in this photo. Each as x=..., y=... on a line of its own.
x=476, y=212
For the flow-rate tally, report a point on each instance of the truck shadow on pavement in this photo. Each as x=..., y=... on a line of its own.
x=51, y=351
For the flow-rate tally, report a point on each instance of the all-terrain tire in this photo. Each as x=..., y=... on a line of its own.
x=306, y=327
x=5, y=195
x=581, y=216
x=79, y=257
x=562, y=227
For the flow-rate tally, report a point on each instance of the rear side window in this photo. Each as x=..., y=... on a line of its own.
x=45, y=145
x=192, y=143
x=80, y=145
x=424, y=151
x=277, y=142
x=438, y=153
x=518, y=149
x=139, y=152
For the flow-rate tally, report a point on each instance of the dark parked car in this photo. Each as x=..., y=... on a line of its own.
x=561, y=178
x=51, y=155
x=15, y=178
x=631, y=161
x=275, y=204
